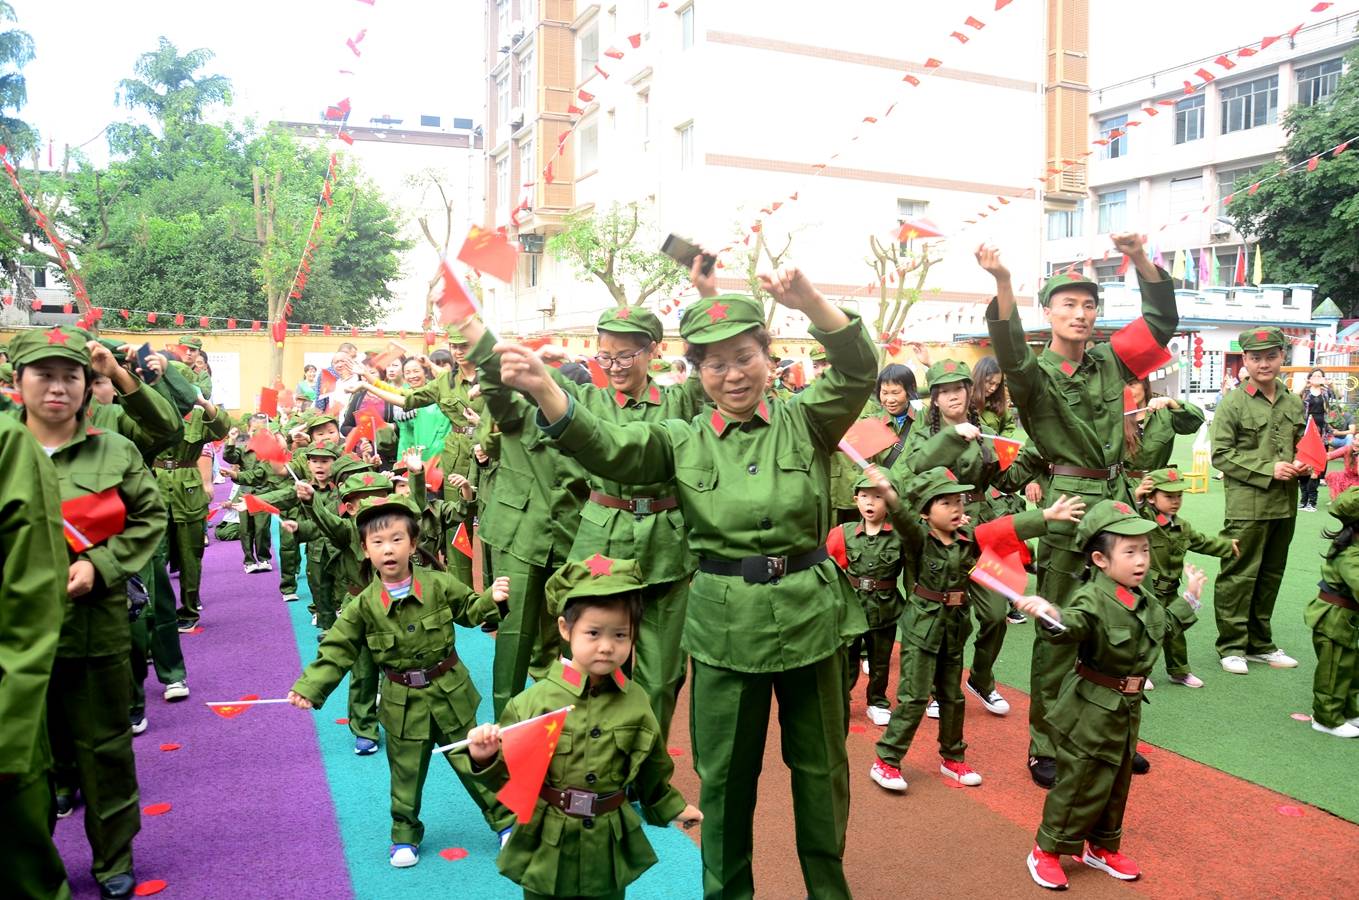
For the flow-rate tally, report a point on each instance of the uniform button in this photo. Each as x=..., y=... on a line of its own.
x=588, y=823
x=595, y=732
x=591, y=778
x=765, y=523
x=700, y=484
x=410, y=627
x=753, y=469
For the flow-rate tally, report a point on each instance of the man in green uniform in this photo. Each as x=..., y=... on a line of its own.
x=193, y=349
x=1070, y=398
x=1255, y=434
x=32, y=603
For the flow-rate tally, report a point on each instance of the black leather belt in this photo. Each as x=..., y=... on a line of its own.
x=419, y=678
x=1128, y=684
x=172, y=464
x=763, y=569
x=1337, y=600
x=582, y=804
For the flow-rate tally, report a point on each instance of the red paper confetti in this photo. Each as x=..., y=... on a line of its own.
x=1294, y=812
x=147, y=888
x=341, y=721
x=635, y=40
x=675, y=751
x=156, y=809
x=974, y=22
x=170, y=748
x=453, y=854
x=613, y=53
x=1300, y=717
x=933, y=63
x=856, y=728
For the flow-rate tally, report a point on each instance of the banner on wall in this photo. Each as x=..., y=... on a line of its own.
x=226, y=379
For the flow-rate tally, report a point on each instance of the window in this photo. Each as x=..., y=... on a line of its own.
x=1115, y=131
x=1228, y=179
x=429, y=121
x=910, y=209
x=502, y=183
x=686, y=146
x=1106, y=272
x=525, y=85
x=686, y=23
x=1066, y=223
x=1113, y=211
x=462, y=124
x=1250, y=105
x=502, y=100
x=502, y=14
x=1316, y=83
x=528, y=169
x=1186, y=195
x=644, y=117
x=588, y=148
x=1189, y=119
x=589, y=49
x=533, y=260
x=39, y=276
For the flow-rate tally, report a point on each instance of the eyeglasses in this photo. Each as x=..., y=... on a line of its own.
x=718, y=369
x=624, y=360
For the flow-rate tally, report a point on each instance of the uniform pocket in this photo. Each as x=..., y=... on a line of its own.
x=437, y=620
x=561, y=759
x=380, y=641
x=512, y=489
x=697, y=479
x=1118, y=634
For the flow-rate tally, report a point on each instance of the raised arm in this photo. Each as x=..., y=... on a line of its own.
x=1016, y=359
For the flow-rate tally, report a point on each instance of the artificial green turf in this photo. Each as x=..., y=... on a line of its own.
x=1241, y=723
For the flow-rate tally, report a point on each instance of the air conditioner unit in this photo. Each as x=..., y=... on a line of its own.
x=1219, y=229
x=516, y=116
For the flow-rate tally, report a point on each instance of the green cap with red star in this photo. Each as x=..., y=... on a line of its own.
x=378, y=506
x=58, y=342
x=598, y=576
x=933, y=483
x=714, y=319
x=365, y=483
x=1169, y=480
x=631, y=320
x=1066, y=281
x=1113, y=516
x=1262, y=338
x=947, y=371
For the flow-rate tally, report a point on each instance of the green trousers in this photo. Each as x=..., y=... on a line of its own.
x=32, y=866
x=875, y=645
x=1180, y=617
x=408, y=759
x=363, y=690
x=155, y=633
x=321, y=584
x=87, y=703
x=989, y=609
x=1248, y=585
x=289, y=561
x=658, y=661
x=256, y=541
x=1059, y=574
x=1335, y=683
x=924, y=673
x=728, y=722
x=1086, y=803
x=616, y=895
x=190, y=540
x=527, y=641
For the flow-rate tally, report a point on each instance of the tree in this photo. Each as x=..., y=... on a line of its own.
x=1308, y=222
x=16, y=51
x=891, y=263
x=612, y=248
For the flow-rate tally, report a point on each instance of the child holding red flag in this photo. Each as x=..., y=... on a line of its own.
x=405, y=617
x=569, y=843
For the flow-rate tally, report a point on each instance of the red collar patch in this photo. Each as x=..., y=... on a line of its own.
x=570, y=674
x=1125, y=596
x=718, y=422
x=1068, y=368
x=1162, y=519
x=620, y=679
x=654, y=394
x=620, y=398
x=1251, y=389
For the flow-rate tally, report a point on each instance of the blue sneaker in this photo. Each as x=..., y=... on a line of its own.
x=504, y=835
x=367, y=747
x=403, y=856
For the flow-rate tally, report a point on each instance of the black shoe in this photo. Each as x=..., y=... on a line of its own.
x=65, y=805
x=1043, y=771
x=1140, y=766
x=488, y=627
x=117, y=887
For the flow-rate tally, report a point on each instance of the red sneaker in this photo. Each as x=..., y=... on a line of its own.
x=960, y=772
x=1112, y=862
x=887, y=776
x=1046, y=869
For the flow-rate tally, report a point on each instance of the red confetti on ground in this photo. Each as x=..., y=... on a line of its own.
x=1291, y=811
x=341, y=721
x=1300, y=717
x=147, y=888
x=676, y=751
x=453, y=854
x=197, y=629
x=166, y=748
x=857, y=729
x=156, y=809
x=950, y=783
x=1145, y=749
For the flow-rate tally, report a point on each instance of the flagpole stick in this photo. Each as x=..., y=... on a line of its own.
x=1133, y=412
x=459, y=745
x=244, y=702
x=853, y=454
x=1004, y=590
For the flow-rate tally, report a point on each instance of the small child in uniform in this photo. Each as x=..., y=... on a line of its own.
x=585, y=839
x=1163, y=493
x=1334, y=619
x=405, y=618
x=1119, y=627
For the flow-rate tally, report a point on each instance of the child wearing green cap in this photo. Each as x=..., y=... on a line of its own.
x=584, y=838
x=1333, y=617
x=1161, y=493
x=404, y=617
x=1117, y=629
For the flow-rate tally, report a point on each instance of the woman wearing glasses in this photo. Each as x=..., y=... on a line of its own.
x=768, y=612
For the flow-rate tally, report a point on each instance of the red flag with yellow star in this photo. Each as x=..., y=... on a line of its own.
x=527, y=752
x=1006, y=450
x=462, y=540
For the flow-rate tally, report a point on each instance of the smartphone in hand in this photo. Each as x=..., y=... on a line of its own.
x=684, y=252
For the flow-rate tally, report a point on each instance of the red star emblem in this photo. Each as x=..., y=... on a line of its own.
x=950, y=366
x=368, y=480
x=599, y=565
x=1123, y=508
x=57, y=336
x=624, y=313
x=1262, y=335
x=717, y=311
x=951, y=476
x=1172, y=475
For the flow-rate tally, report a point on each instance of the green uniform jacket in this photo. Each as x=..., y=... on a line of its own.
x=1339, y=575
x=539, y=491
x=94, y=461
x=657, y=539
x=144, y=417
x=999, y=424
x=1172, y=539
x=749, y=489
x=33, y=566
x=412, y=633
x=876, y=556
x=1250, y=435
x=182, y=488
x=203, y=381
x=1158, y=435
x=344, y=551
x=974, y=462
x=450, y=392
x=1099, y=722
x=1073, y=413
x=609, y=742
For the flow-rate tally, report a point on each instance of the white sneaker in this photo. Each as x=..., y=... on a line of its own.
x=1235, y=665
x=248, y=568
x=1148, y=686
x=887, y=776
x=1277, y=659
x=139, y=726
x=289, y=598
x=403, y=856
x=504, y=836
x=879, y=716
x=1189, y=680
x=265, y=566
x=933, y=709
x=176, y=690
x=993, y=701
x=1343, y=730
x=864, y=665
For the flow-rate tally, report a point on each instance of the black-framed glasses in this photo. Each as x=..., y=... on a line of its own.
x=624, y=360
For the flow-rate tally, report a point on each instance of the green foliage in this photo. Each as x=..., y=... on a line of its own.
x=1308, y=222
x=615, y=247
x=16, y=50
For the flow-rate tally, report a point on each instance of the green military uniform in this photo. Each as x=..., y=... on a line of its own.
x=935, y=625
x=1250, y=434
x=1073, y=413
x=200, y=380
x=482, y=477
x=33, y=567
x=427, y=695
x=1117, y=633
x=751, y=491
x=1172, y=538
x=1157, y=431
x=873, y=563
x=89, y=694
x=643, y=522
x=1333, y=617
x=538, y=498
x=322, y=557
x=609, y=744
x=255, y=477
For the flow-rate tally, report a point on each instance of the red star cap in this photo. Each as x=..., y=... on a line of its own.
x=599, y=565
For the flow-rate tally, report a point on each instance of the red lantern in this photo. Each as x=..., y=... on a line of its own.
x=231, y=323
x=202, y=321
x=325, y=329
x=306, y=329
x=151, y=318
x=179, y=318
x=255, y=325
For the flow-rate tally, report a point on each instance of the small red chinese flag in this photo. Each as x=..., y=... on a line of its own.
x=462, y=541
x=263, y=443
x=527, y=750
x=491, y=252
x=869, y=437
x=254, y=504
x=1006, y=451
x=369, y=424
x=268, y=402
x=1311, y=451
x=1138, y=349
x=1000, y=537
x=1003, y=574
x=456, y=303
x=434, y=475
x=328, y=381
x=91, y=519
x=1129, y=401
x=598, y=377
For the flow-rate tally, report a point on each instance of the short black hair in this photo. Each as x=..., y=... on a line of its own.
x=387, y=519
x=630, y=603
x=696, y=353
x=441, y=357
x=896, y=373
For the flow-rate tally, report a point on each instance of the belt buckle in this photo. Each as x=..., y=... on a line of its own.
x=867, y=584
x=416, y=679
x=954, y=598
x=579, y=803
x=1132, y=684
x=777, y=566
x=641, y=506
